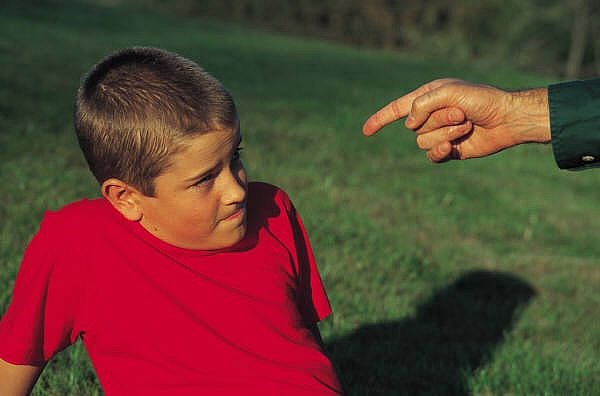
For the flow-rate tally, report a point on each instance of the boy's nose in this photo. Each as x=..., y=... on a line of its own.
x=236, y=187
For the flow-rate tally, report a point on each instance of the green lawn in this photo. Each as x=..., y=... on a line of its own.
x=477, y=277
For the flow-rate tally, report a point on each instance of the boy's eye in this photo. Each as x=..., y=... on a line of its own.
x=237, y=154
x=204, y=180
x=210, y=176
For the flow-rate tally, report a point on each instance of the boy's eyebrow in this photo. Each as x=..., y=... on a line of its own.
x=201, y=174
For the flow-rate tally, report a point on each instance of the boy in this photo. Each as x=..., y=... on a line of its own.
x=183, y=279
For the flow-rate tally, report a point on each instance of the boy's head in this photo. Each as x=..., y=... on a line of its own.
x=135, y=107
x=162, y=138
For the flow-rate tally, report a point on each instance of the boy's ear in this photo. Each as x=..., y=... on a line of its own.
x=124, y=198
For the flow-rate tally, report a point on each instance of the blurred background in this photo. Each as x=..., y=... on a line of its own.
x=547, y=36
x=475, y=277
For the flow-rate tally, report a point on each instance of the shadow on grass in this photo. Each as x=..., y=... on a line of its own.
x=452, y=334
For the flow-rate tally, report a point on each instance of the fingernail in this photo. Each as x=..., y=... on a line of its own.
x=409, y=121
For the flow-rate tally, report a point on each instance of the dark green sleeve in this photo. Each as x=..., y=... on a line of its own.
x=575, y=123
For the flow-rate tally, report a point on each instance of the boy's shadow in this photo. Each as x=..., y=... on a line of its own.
x=451, y=335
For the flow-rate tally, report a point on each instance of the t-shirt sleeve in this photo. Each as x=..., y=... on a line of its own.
x=312, y=299
x=575, y=123
x=41, y=318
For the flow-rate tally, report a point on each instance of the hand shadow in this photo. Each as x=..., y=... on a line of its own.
x=452, y=334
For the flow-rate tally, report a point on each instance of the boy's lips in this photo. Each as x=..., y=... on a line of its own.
x=237, y=214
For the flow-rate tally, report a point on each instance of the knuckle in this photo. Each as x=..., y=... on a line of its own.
x=456, y=131
x=423, y=142
x=434, y=155
x=418, y=103
x=394, y=108
x=376, y=118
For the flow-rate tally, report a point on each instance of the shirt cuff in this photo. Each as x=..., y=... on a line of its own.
x=575, y=123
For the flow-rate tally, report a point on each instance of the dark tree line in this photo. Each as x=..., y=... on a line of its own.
x=550, y=36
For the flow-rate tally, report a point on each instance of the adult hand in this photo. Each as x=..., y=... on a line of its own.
x=455, y=119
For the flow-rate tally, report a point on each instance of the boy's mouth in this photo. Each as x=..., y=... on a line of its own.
x=236, y=215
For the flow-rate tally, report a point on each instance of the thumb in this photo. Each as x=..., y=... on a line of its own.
x=440, y=98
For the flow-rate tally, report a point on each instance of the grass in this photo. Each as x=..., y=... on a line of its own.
x=476, y=277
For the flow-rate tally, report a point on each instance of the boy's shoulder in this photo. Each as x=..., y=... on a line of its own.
x=81, y=209
x=262, y=194
x=68, y=232
x=270, y=207
x=77, y=217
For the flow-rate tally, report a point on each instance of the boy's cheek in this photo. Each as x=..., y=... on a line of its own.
x=238, y=233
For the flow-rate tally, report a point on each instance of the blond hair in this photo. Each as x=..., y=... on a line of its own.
x=135, y=106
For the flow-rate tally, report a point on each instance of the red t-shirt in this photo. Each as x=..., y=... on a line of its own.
x=161, y=320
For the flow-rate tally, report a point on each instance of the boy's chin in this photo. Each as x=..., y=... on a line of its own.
x=236, y=237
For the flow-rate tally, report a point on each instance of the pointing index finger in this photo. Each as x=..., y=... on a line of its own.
x=393, y=111
x=398, y=108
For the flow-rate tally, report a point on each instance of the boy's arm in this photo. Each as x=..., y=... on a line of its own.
x=17, y=380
